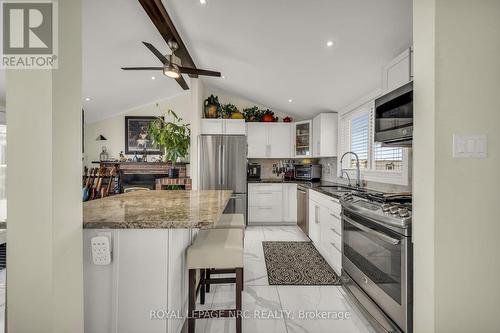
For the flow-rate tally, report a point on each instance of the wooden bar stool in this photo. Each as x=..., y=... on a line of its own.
x=226, y=221
x=219, y=249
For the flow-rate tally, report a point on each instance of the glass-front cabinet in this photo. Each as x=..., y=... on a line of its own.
x=303, y=139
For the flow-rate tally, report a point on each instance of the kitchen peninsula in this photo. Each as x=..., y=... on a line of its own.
x=146, y=281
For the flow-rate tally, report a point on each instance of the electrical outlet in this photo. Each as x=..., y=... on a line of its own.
x=101, y=250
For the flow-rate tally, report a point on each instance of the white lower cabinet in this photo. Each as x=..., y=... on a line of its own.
x=147, y=276
x=272, y=203
x=290, y=203
x=325, y=228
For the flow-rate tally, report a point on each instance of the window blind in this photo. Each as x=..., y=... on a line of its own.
x=360, y=139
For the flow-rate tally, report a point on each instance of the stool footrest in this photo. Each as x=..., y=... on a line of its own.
x=222, y=271
x=207, y=314
x=220, y=280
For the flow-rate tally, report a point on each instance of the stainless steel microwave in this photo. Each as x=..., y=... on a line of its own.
x=394, y=117
x=308, y=172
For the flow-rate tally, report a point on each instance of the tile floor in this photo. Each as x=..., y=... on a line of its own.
x=280, y=309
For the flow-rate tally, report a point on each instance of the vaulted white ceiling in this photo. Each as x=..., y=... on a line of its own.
x=269, y=51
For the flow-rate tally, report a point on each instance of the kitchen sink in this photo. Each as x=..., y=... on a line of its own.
x=340, y=188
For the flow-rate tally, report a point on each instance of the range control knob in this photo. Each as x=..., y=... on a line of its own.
x=403, y=212
x=386, y=207
x=394, y=209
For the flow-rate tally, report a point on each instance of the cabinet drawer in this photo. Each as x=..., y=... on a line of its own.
x=328, y=202
x=265, y=187
x=335, y=259
x=265, y=199
x=332, y=221
x=264, y=214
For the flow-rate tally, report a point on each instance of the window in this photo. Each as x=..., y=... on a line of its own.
x=360, y=139
x=383, y=164
x=388, y=158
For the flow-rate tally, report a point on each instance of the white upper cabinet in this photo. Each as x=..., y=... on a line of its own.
x=269, y=140
x=302, y=135
x=325, y=135
x=235, y=127
x=398, y=72
x=257, y=140
x=280, y=140
x=223, y=126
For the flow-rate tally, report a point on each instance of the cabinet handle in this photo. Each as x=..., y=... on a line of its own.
x=263, y=208
x=335, y=246
x=334, y=215
x=316, y=219
x=335, y=231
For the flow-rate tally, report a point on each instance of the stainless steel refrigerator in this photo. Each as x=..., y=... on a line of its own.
x=223, y=167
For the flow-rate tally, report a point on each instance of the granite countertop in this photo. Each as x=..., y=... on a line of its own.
x=156, y=210
x=313, y=185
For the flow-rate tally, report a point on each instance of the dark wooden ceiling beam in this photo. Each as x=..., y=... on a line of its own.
x=162, y=21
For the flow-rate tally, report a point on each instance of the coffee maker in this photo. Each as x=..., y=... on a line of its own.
x=253, y=171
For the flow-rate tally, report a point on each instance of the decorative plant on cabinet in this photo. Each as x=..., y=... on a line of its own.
x=173, y=136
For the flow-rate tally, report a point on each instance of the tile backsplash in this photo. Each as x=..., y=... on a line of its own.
x=329, y=173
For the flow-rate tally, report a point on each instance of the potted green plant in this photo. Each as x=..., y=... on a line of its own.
x=252, y=114
x=226, y=110
x=173, y=136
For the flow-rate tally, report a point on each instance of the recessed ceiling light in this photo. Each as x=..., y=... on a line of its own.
x=290, y=101
x=153, y=78
x=87, y=99
x=223, y=77
x=330, y=43
x=203, y=2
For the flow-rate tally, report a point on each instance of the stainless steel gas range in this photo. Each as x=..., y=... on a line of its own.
x=377, y=258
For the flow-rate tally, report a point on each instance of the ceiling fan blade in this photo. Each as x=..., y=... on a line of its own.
x=165, y=26
x=196, y=71
x=182, y=83
x=157, y=53
x=142, y=68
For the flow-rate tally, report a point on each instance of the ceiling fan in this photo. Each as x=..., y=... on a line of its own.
x=172, y=65
x=180, y=55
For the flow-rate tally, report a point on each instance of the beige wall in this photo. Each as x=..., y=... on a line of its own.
x=113, y=128
x=457, y=47
x=45, y=282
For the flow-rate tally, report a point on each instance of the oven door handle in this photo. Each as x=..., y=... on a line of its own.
x=379, y=235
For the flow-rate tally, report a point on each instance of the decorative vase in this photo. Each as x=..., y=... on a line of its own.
x=173, y=173
x=211, y=105
x=103, y=156
x=267, y=118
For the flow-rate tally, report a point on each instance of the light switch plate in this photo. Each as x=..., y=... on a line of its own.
x=470, y=146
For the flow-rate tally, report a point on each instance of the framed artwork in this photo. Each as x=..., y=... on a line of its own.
x=137, y=136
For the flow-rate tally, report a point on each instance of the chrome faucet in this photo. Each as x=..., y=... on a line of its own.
x=342, y=171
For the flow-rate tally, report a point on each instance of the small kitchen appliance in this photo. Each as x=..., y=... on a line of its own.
x=253, y=171
x=308, y=172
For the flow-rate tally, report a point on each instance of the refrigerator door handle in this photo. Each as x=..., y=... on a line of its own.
x=223, y=172
x=220, y=163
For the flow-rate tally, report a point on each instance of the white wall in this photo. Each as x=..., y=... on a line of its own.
x=456, y=229
x=242, y=103
x=113, y=129
x=45, y=260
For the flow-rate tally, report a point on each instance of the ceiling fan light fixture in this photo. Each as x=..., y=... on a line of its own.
x=172, y=71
